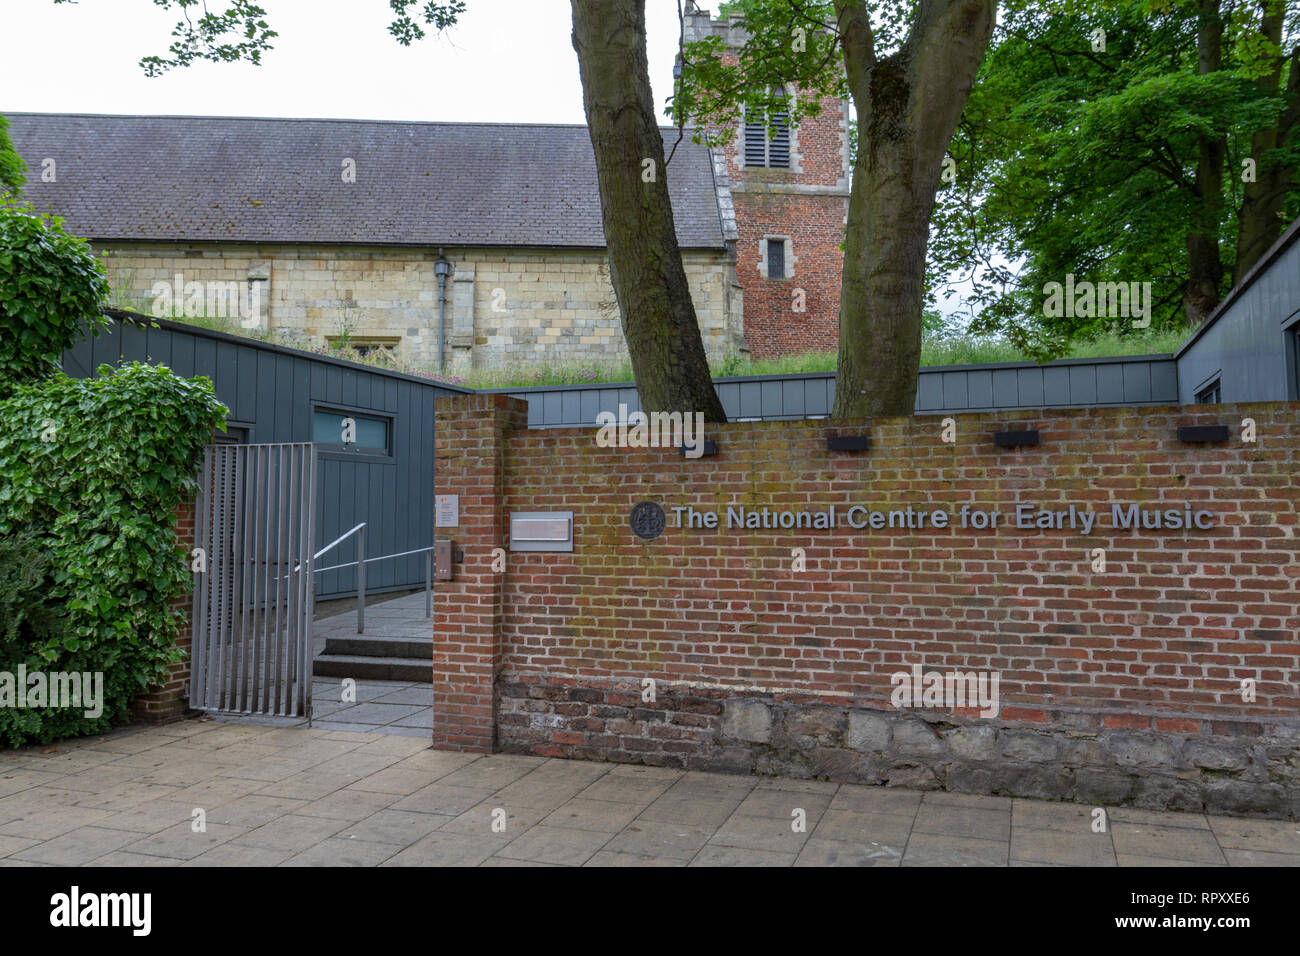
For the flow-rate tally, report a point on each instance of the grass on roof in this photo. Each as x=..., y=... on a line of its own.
x=963, y=350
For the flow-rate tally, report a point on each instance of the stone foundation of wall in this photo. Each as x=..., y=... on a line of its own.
x=1165, y=763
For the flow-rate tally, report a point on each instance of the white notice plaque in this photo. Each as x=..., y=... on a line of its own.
x=446, y=511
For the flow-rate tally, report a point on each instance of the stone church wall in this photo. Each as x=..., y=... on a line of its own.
x=502, y=306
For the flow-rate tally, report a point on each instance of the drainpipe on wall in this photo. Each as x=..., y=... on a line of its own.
x=442, y=269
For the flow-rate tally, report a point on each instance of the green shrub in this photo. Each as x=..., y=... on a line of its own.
x=51, y=289
x=91, y=474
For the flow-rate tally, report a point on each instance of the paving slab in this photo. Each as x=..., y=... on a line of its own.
x=1062, y=847
x=440, y=848
x=839, y=853
x=182, y=842
x=1269, y=836
x=602, y=815
x=552, y=844
x=964, y=820
x=340, y=851
x=715, y=855
x=935, y=849
x=1167, y=843
x=77, y=847
x=398, y=827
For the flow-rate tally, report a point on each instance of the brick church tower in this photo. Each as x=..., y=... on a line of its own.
x=791, y=198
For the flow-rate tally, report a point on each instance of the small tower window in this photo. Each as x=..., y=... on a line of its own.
x=775, y=259
x=764, y=149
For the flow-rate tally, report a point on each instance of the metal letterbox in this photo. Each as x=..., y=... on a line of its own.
x=541, y=531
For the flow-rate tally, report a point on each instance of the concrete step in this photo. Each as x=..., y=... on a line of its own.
x=360, y=667
x=358, y=645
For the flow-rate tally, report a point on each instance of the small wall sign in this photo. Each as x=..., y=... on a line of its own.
x=446, y=512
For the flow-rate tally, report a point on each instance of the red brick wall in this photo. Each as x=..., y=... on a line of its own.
x=167, y=702
x=815, y=225
x=1161, y=639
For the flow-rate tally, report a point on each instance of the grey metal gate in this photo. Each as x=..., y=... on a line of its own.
x=253, y=606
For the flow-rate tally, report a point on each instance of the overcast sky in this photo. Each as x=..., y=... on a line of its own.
x=506, y=61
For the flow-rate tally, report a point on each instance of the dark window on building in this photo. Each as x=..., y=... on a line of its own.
x=764, y=149
x=373, y=436
x=1210, y=394
x=233, y=435
x=776, y=258
x=1295, y=361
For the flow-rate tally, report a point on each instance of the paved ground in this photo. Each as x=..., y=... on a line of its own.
x=389, y=707
x=302, y=796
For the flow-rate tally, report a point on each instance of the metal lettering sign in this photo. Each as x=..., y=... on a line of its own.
x=446, y=511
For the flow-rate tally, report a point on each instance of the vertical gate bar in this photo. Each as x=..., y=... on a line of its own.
x=233, y=590
x=361, y=581
x=294, y=556
x=241, y=577
x=300, y=595
x=259, y=494
x=267, y=635
x=221, y=603
x=211, y=490
x=250, y=639
x=428, y=584
x=255, y=550
x=295, y=529
x=302, y=632
x=268, y=684
x=229, y=614
x=198, y=617
x=311, y=582
x=251, y=490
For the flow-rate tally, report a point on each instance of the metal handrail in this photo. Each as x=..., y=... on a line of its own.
x=361, y=528
x=360, y=565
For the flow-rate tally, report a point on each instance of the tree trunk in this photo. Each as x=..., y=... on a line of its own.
x=1204, y=264
x=645, y=263
x=908, y=108
x=1259, y=221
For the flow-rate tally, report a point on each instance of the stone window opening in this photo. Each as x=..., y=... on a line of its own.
x=776, y=257
x=764, y=148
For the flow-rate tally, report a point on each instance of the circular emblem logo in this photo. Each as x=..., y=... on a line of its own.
x=648, y=520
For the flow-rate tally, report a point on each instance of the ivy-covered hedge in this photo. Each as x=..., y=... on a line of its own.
x=51, y=293
x=91, y=474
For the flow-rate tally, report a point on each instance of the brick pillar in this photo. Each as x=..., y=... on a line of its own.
x=167, y=702
x=473, y=432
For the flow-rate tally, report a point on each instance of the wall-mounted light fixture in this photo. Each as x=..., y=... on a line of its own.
x=1203, y=433
x=847, y=442
x=710, y=449
x=441, y=269
x=1016, y=439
